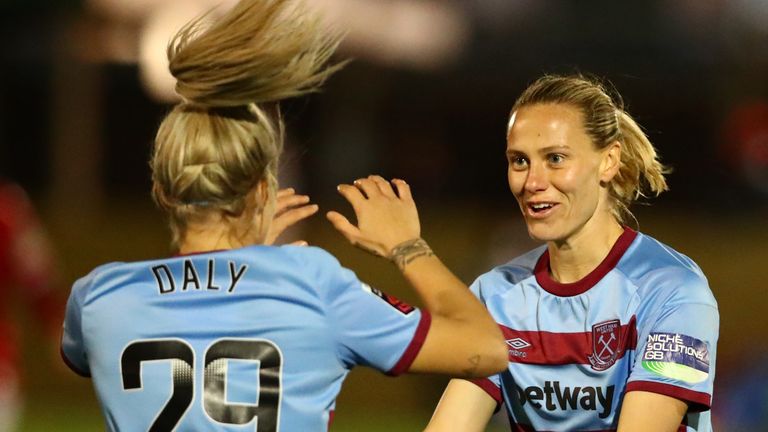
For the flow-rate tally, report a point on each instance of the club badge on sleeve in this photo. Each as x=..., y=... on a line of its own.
x=677, y=356
x=393, y=301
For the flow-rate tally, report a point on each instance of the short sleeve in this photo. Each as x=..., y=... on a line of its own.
x=370, y=327
x=476, y=289
x=72, y=345
x=676, y=354
x=491, y=384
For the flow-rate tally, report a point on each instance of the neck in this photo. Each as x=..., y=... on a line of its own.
x=573, y=258
x=207, y=237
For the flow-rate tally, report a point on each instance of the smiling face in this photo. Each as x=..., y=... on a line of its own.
x=557, y=174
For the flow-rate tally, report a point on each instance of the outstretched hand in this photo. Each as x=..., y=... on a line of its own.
x=386, y=215
x=290, y=209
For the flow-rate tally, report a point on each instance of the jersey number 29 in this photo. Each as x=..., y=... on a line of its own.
x=181, y=355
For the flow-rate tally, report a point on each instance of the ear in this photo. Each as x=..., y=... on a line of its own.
x=262, y=191
x=262, y=206
x=611, y=161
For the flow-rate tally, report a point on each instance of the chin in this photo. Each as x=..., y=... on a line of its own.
x=543, y=232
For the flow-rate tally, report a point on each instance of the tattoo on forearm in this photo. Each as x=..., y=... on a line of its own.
x=474, y=361
x=405, y=253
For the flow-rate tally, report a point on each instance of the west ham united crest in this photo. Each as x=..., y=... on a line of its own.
x=605, y=344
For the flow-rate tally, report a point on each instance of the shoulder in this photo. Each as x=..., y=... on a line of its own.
x=306, y=259
x=85, y=284
x=518, y=268
x=318, y=265
x=310, y=253
x=502, y=278
x=660, y=271
x=100, y=272
x=312, y=257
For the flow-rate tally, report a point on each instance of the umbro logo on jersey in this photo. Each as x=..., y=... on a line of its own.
x=518, y=343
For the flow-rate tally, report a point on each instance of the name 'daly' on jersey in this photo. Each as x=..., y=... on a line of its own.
x=192, y=277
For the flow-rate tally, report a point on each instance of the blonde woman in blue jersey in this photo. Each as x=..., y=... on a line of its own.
x=233, y=334
x=607, y=328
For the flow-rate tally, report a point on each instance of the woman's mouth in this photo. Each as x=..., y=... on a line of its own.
x=540, y=210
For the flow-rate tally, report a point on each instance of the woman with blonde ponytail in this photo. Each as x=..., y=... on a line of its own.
x=608, y=329
x=233, y=333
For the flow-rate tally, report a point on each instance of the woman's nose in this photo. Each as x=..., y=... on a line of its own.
x=536, y=179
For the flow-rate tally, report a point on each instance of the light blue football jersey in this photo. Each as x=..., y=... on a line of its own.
x=644, y=319
x=252, y=339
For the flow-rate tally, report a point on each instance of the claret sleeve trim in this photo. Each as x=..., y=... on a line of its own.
x=72, y=366
x=492, y=389
x=697, y=401
x=414, y=347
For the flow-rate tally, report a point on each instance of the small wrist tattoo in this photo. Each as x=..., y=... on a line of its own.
x=406, y=252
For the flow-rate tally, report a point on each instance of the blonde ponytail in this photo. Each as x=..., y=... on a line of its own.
x=260, y=51
x=641, y=174
x=226, y=136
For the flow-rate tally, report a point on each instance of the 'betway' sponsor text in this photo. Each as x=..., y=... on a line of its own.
x=553, y=397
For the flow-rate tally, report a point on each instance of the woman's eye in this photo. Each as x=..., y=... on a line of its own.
x=556, y=158
x=518, y=162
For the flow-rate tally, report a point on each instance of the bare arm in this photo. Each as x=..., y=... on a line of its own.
x=644, y=411
x=463, y=339
x=464, y=407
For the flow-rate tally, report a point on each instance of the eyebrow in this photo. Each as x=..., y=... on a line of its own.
x=551, y=149
x=544, y=150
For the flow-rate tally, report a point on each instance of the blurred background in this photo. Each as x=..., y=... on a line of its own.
x=83, y=88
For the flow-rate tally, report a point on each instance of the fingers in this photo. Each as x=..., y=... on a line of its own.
x=352, y=194
x=403, y=190
x=375, y=185
x=290, y=209
x=368, y=186
x=372, y=186
x=351, y=233
x=287, y=219
x=342, y=225
x=285, y=192
x=287, y=198
x=293, y=216
x=384, y=187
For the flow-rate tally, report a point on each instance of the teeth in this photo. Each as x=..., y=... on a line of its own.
x=541, y=206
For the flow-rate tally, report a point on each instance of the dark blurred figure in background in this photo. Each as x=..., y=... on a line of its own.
x=27, y=277
x=743, y=392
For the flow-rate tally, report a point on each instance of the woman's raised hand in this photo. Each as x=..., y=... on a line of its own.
x=386, y=215
x=290, y=209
